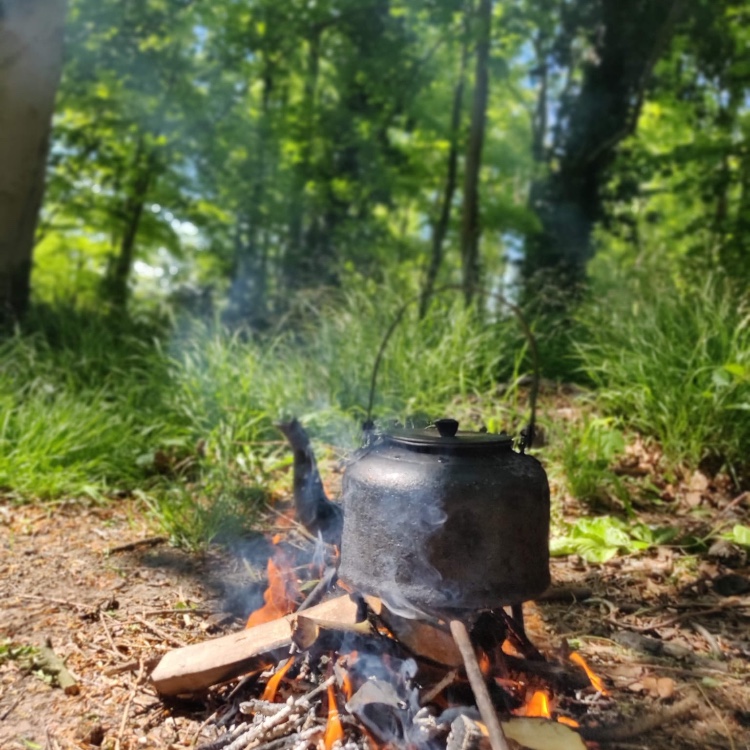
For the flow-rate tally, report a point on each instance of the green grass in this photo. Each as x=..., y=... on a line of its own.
x=91, y=405
x=673, y=361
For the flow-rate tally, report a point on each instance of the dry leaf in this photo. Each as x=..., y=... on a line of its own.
x=542, y=734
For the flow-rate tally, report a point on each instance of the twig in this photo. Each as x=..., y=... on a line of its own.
x=719, y=716
x=322, y=587
x=476, y=680
x=133, y=666
x=197, y=735
x=226, y=739
x=115, y=650
x=437, y=688
x=64, y=602
x=158, y=631
x=713, y=644
x=628, y=729
x=150, y=541
x=181, y=611
x=126, y=710
x=8, y=711
x=737, y=501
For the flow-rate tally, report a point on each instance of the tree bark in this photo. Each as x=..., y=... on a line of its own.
x=31, y=57
x=118, y=276
x=629, y=41
x=299, y=268
x=440, y=229
x=470, y=228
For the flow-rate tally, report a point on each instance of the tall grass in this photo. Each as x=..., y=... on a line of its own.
x=91, y=404
x=673, y=361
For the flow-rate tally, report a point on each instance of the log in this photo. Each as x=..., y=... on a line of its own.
x=194, y=668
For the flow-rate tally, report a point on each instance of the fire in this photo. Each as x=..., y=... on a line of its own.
x=538, y=705
x=282, y=592
x=485, y=664
x=568, y=721
x=272, y=686
x=334, y=729
x=595, y=680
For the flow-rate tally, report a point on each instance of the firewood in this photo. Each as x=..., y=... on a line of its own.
x=423, y=639
x=194, y=668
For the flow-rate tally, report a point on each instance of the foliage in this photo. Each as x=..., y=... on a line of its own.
x=94, y=404
x=602, y=538
x=589, y=449
x=739, y=535
x=673, y=361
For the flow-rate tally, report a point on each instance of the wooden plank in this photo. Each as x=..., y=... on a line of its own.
x=194, y=668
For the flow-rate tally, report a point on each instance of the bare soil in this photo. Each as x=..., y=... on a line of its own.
x=655, y=626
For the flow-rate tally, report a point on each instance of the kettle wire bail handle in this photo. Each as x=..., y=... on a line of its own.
x=528, y=432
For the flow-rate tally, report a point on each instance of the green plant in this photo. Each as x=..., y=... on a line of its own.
x=672, y=359
x=600, y=539
x=589, y=448
x=739, y=535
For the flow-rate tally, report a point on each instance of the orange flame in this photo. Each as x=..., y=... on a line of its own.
x=334, y=729
x=485, y=664
x=281, y=594
x=272, y=686
x=595, y=680
x=538, y=705
x=568, y=721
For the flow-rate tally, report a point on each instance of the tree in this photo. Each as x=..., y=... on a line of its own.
x=607, y=50
x=31, y=56
x=470, y=228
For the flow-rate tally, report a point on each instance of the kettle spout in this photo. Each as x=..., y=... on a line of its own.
x=314, y=510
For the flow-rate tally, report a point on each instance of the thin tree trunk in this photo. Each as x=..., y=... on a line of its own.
x=31, y=57
x=440, y=229
x=295, y=262
x=470, y=229
x=120, y=270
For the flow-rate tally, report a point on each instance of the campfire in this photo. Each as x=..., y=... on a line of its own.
x=402, y=639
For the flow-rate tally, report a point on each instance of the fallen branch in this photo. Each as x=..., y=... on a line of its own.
x=642, y=724
x=150, y=541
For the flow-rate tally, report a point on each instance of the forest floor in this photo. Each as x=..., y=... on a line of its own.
x=659, y=626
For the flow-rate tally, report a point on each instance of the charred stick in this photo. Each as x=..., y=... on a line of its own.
x=322, y=587
x=476, y=680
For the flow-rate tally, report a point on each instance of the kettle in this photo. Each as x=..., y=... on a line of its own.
x=435, y=520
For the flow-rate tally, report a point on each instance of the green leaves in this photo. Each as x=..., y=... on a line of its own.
x=600, y=539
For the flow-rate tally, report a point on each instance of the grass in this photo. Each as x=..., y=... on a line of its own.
x=92, y=405
x=673, y=362
x=184, y=414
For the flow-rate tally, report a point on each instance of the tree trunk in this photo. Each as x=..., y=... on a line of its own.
x=31, y=57
x=470, y=228
x=629, y=41
x=299, y=267
x=118, y=275
x=440, y=229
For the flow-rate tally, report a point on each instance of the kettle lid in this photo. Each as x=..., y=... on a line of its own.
x=445, y=437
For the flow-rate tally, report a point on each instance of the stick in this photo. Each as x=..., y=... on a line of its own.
x=640, y=725
x=476, y=680
x=150, y=541
x=158, y=631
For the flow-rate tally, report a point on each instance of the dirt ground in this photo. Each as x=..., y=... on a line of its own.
x=655, y=626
